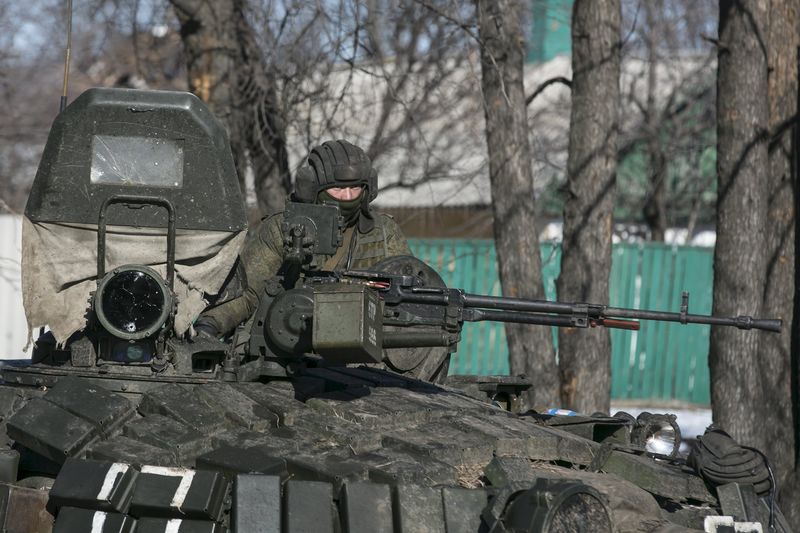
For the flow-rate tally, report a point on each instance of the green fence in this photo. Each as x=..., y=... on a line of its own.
x=661, y=361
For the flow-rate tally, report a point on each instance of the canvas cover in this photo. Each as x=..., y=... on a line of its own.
x=59, y=268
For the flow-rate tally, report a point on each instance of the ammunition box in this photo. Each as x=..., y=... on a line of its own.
x=348, y=324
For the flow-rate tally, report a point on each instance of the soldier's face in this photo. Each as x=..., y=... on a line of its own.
x=344, y=193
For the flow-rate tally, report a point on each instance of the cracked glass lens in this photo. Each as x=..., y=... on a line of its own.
x=132, y=301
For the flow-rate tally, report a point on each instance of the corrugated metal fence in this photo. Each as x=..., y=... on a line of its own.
x=660, y=361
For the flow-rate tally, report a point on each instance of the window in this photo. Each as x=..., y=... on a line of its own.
x=137, y=161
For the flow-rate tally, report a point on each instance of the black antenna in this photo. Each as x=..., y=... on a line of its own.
x=67, y=53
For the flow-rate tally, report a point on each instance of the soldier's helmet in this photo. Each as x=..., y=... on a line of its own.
x=335, y=164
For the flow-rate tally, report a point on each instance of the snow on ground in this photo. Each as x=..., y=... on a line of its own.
x=630, y=232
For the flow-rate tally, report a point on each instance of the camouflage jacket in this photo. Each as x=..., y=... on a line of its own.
x=263, y=253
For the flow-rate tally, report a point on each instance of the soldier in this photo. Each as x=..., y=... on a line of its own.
x=337, y=173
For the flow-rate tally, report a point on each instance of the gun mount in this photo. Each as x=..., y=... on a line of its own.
x=354, y=316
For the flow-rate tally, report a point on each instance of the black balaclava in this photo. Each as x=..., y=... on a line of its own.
x=349, y=209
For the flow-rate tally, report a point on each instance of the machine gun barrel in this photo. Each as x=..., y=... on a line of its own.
x=607, y=314
x=466, y=307
x=564, y=314
x=502, y=315
x=741, y=321
x=517, y=304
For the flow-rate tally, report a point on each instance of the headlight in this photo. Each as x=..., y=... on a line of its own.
x=657, y=434
x=557, y=505
x=132, y=302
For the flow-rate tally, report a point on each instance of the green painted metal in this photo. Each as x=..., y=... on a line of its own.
x=550, y=34
x=661, y=361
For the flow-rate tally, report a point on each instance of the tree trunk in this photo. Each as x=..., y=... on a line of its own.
x=655, y=207
x=208, y=32
x=511, y=174
x=775, y=353
x=738, y=379
x=227, y=71
x=261, y=122
x=585, y=355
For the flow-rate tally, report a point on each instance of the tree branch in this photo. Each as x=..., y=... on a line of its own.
x=544, y=85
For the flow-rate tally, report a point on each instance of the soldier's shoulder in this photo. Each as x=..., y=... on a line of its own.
x=384, y=218
x=272, y=219
x=269, y=226
x=273, y=216
x=389, y=225
x=386, y=221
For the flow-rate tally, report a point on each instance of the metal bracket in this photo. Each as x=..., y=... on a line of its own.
x=130, y=200
x=580, y=316
x=684, y=306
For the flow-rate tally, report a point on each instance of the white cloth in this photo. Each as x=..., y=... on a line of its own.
x=59, y=269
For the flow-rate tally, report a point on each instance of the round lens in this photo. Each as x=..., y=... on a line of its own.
x=132, y=301
x=661, y=440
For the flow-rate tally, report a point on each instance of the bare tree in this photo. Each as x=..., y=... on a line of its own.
x=226, y=69
x=738, y=384
x=754, y=375
x=775, y=351
x=32, y=63
x=30, y=82
x=396, y=77
x=502, y=54
x=585, y=356
x=668, y=104
x=666, y=137
x=413, y=59
x=286, y=75
x=655, y=212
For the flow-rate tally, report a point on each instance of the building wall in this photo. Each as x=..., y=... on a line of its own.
x=465, y=222
x=13, y=326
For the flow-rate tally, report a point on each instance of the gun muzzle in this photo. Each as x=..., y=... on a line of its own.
x=766, y=324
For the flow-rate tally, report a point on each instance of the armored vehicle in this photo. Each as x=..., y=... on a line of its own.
x=313, y=416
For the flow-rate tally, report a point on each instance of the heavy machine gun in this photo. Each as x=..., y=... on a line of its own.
x=352, y=316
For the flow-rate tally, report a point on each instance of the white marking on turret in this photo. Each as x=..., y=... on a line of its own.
x=98, y=520
x=111, y=477
x=186, y=475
